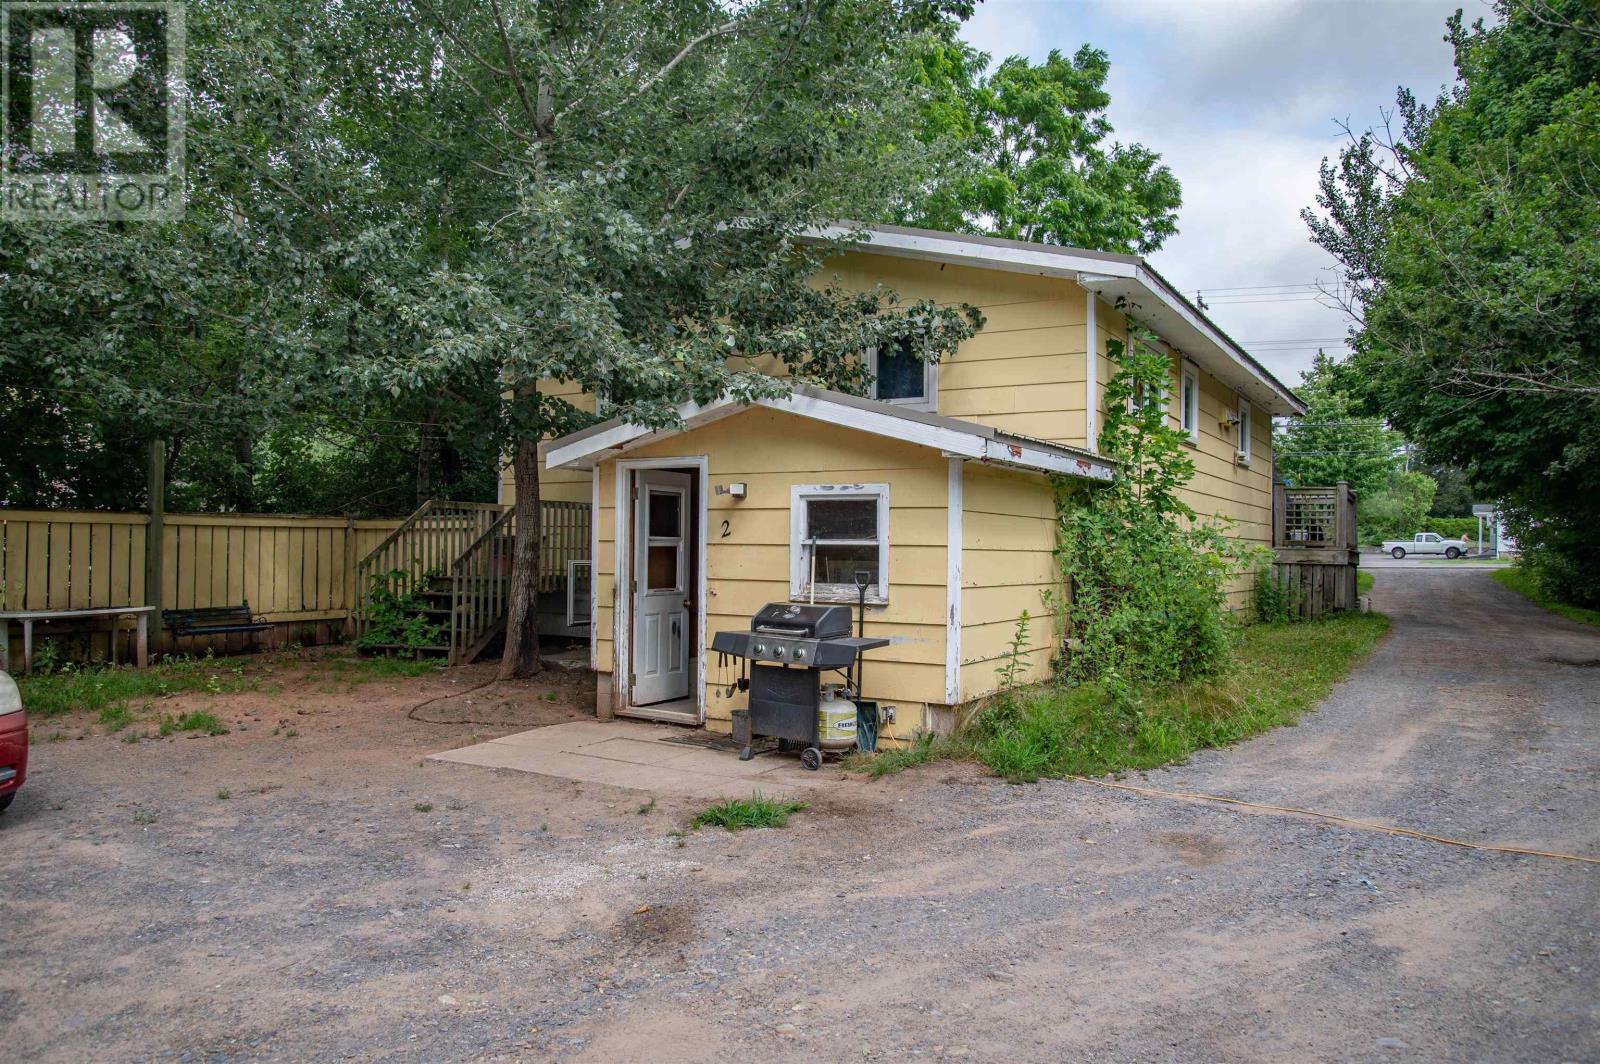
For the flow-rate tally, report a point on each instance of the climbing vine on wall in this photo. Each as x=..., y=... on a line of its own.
x=1147, y=578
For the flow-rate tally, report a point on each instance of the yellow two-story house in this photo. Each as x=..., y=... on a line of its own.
x=937, y=486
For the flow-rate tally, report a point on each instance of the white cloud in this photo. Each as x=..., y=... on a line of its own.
x=1240, y=98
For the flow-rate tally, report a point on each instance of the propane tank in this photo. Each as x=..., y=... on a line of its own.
x=836, y=719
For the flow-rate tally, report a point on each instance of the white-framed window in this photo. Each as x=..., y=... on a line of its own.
x=901, y=376
x=580, y=575
x=1244, y=432
x=1147, y=392
x=836, y=531
x=1189, y=401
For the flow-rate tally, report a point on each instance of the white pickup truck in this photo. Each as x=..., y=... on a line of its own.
x=1425, y=543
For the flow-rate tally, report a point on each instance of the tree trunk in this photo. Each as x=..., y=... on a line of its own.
x=427, y=452
x=244, y=482
x=521, y=656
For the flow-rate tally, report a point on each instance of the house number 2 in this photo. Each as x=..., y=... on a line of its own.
x=727, y=530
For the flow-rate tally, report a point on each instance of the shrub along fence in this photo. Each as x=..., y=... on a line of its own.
x=298, y=573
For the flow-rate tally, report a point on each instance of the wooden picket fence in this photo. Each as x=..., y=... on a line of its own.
x=296, y=572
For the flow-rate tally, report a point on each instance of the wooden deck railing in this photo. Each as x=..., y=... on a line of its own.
x=427, y=542
x=1314, y=544
x=1314, y=517
x=480, y=585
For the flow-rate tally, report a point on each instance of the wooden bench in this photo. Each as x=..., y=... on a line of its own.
x=212, y=620
x=31, y=617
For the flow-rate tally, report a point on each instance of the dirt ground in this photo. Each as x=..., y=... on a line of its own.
x=348, y=900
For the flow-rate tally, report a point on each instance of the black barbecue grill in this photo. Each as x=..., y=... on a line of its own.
x=789, y=646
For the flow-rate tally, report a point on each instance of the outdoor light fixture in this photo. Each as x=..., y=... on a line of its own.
x=737, y=489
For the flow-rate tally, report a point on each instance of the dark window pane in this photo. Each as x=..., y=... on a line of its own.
x=842, y=519
x=838, y=565
x=901, y=372
x=664, y=514
x=663, y=569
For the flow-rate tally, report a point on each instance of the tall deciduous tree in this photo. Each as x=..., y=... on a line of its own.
x=1334, y=441
x=635, y=181
x=1468, y=237
x=1033, y=158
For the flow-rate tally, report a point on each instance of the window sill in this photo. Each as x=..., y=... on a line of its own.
x=1191, y=442
x=1241, y=461
x=835, y=598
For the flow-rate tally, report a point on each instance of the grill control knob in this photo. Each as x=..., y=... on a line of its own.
x=777, y=652
x=761, y=648
x=799, y=653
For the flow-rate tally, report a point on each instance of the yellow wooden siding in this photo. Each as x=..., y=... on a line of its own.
x=1222, y=488
x=1008, y=565
x=748, y=564
x=1024, y=372
x=556, y=485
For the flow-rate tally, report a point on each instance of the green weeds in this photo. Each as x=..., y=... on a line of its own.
x=1524, y=583
x=757, y=811
x=115, y=718
x=196, y=721
x=1279, y=670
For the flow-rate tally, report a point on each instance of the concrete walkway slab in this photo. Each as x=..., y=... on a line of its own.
x=641, y=757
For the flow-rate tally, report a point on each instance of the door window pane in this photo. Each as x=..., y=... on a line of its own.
x=665, y=514
x=662, y=568
x=901, y=374
x=842, y=519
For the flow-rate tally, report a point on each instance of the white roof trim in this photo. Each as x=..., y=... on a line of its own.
x=582, y=450
x=1147, y=297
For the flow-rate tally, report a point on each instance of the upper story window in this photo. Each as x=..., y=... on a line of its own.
x=901, y=376
x=835, y=532
x=1189, y=402
x=1244, y=433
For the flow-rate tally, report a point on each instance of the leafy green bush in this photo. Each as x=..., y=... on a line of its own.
x=1279, y=670
x=1274, y=601
x=394, y=613
x=1397, y=511
x=1147, y=577
x=1450, y=527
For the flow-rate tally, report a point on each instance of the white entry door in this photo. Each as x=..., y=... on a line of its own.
x=661, y=599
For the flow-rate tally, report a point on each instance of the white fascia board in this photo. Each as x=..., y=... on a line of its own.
x=953, y=249
x=1019, y=455
x=1223, y=346
x=1132, y=281
x=618, y=439
x=585, y=452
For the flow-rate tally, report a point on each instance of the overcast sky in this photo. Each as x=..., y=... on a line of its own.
x=1239, y=97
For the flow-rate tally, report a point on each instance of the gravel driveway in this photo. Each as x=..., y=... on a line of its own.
x=937, y=915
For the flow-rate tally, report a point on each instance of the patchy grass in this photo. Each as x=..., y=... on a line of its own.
x=115, y=718
x=919, y=751
x=1279, y=671
x=104, y=688
x=1523, y=583
x=1364, y=581
x=757, y=811
x=384, y=668
x=197, y=721
x=96, y=690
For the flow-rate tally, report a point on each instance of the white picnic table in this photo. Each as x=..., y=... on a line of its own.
x=30, y=617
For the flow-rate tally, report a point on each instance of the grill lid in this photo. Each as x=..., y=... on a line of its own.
x=801, y=621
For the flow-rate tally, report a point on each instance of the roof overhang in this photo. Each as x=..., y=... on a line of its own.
x=949, y=436
x=1126, y=281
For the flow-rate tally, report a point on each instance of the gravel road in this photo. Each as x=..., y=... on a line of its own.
x=321, y=914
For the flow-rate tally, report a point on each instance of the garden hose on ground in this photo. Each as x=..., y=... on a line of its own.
x=1388, y=829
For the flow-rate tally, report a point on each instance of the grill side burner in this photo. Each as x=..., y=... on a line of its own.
x=789, y=646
